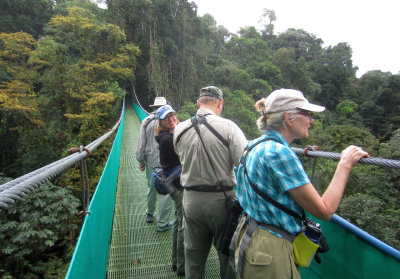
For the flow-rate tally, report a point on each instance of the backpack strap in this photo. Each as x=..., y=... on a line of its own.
x=262, y=194
x=202, y=120
x=149, y=121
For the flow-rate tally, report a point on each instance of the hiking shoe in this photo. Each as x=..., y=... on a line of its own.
x=165, y=227
x=149, y=218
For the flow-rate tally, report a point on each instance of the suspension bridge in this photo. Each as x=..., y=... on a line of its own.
x=116, y=242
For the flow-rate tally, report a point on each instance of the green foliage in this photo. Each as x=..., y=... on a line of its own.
x=335, y=138
x=371, y=214
x=347, y=113
x=62, y=86
x=36, y=229
x=29, y=16
x=186, y=111
x=239, y=106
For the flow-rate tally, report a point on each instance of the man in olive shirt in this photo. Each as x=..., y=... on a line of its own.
x=208, y=179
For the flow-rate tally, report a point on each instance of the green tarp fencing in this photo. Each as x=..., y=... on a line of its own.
x=353, y=254
x=139, y=112
x=91, y=252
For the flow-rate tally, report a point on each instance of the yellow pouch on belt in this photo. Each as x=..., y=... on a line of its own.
x=304, y=250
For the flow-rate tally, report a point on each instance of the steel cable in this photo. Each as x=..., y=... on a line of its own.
x=336, y=156
x=19, y=187
x=137, y=100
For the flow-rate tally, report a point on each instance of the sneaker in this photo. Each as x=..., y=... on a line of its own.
x=165, y=227
x=149, y=218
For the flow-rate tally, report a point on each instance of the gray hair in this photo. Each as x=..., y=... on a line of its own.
x=274, y=120
x=207, y=100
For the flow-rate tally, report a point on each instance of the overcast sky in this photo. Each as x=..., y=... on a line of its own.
x=370, y=27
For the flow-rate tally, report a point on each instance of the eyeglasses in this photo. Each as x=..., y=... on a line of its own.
x=306, y=113
x=169, y=116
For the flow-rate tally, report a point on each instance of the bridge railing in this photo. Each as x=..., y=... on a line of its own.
x=353, y=252
x=19, y=187
x=91, y=252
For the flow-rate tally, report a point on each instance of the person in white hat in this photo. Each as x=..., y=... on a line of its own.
x=148, y=156
x=269, y=167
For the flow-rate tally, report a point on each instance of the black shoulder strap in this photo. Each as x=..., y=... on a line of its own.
x=203, y=120
x=148, y=122
x=262, y=194
x=196, y=128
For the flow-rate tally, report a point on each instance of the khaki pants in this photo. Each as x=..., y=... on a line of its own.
x=266, y=256
x=204, y=221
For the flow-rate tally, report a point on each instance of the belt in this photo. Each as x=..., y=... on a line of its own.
x=208, y=188
x=288, y=236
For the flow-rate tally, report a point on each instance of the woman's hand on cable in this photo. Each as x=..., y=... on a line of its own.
x=351, y=155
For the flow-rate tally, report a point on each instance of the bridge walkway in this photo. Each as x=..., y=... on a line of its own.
x=137, y=250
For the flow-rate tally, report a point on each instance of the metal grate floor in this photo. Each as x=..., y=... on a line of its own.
x=137, y=250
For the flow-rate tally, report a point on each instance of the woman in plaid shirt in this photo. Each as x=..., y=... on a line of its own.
x=275, y=169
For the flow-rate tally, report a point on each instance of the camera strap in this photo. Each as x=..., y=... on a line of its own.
x=195, y=123
x=202, y=120
x=262, y=194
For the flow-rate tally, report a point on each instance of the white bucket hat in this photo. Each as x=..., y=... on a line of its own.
x=288, y=99
x=158, y=102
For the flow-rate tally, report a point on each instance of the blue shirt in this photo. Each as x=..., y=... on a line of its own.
x=275, y=169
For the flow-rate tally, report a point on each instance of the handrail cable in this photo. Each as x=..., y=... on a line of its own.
x=336, y=156
x=137, y=100
x=17, y=188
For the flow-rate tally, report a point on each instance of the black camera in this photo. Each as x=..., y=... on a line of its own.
x=314, y=232
x=161, y=184
x=234, y=210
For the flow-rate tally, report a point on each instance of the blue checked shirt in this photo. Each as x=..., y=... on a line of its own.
x=275, y=169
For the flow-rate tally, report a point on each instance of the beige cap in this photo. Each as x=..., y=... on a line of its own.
x=288, y=99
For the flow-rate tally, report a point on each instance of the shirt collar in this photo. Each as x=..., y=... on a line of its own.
x=204, y=111
x=277, y=136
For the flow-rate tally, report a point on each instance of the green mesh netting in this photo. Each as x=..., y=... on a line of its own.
x=139, y=112
x=350, y=257
x=91, y=253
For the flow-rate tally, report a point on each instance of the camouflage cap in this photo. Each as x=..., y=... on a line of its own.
x=211, y=91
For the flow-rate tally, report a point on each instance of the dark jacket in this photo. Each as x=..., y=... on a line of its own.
x=168, y=158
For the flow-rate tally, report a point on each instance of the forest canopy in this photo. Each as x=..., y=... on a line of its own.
x=66, y=65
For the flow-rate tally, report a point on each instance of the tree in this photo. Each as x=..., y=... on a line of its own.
x=168, y=33
x=295, y=74
x=20, y=113
x=266, y=20
x=347, y=113
x=305, y=45
x=333, y=70
x=29, y=16
x=238, y=106
x=78, y=57
x=18, y=93
x=370, y=214
x=36, y=229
